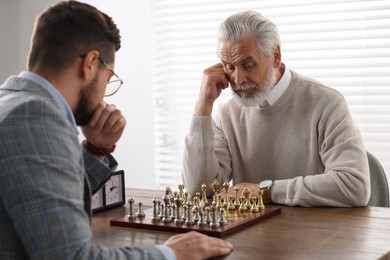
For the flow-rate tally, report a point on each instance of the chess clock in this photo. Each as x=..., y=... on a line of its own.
x=111, y=194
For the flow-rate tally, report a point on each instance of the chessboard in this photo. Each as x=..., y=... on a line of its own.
x=236, y=221
x=177, y=212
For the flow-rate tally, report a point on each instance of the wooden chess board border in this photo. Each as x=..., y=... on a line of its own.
x=245, y=220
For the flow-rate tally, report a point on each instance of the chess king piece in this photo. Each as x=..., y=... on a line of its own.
x=131, y=212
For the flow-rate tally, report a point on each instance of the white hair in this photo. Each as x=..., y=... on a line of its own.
x=243, y=24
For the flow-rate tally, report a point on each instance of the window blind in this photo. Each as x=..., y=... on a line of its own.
x=344, y=44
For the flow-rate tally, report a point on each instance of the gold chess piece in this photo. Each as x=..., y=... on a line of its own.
x=254, y=208
x=225, y=199
x=196, y=200
x=215, y=186
x=247, y=197
x=242, y=207
x=185, y=200
x=237, y=200
x=181, y=191
x=230, y=206
x=219, y=203
x=261, y=204
x=204, y=195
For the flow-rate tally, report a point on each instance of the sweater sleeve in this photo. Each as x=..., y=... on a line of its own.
x=345, y=181
x=201, y=164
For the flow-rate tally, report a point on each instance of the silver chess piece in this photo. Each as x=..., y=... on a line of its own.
x=222, y=220
x=178, y=219
x=166, y=218
x=189, y=221
x=214, y=223
x=155, y=217
x=140, y=213
x=131, y=212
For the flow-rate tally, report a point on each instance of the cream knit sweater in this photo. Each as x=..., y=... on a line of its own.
x=306, y=142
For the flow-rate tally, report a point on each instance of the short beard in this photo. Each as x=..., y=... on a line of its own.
x=261, y=93
x=84, y=112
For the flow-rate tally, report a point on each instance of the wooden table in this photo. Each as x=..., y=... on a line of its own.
x=296, y=233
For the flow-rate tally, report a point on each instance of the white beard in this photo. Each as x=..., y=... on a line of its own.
x=261, y=93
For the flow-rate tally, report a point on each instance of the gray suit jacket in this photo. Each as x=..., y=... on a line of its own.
x=45, y=192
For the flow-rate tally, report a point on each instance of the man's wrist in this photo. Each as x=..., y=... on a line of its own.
x=97, y=150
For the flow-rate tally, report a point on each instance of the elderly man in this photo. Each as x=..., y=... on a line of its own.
x=45, y=205
x=288, y=134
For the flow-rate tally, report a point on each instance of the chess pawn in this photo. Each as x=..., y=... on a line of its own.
x=242, y=207
x=219, y=203
x=196, y=203
x=208, y=217
x=215, y=186
x=185, y=201
x=261, y=204
x=161, y=215
x=173, y=212
x=140, y=213
x=254, y=208
x=214, y=223
x=237, y=199
x=230, y=206
x=204, y=195
x=197, y=196
x=225, y=199
x=222, y=220
x=131, y=213
x=155, y=217
x=196, y=214
x=159, y=207
x=184, y=218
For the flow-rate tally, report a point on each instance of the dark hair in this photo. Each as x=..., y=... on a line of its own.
x=69, y=29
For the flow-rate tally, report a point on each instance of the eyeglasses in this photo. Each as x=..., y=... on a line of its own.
x=114, y=84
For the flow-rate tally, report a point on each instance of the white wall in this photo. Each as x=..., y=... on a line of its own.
x=135, y=150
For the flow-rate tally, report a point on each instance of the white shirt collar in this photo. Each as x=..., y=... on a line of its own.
x=280, y=87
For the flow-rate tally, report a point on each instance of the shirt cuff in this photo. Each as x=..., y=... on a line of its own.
x=167, y=251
